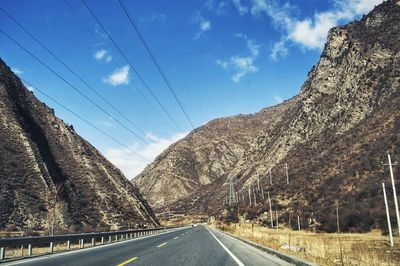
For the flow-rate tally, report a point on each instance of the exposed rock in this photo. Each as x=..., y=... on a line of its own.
x=50, y=175
x=333, y=135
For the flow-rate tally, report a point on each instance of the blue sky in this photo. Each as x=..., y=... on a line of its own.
x=222, y=57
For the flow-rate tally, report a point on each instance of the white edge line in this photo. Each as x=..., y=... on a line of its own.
x=227, y=250
x=27, y=259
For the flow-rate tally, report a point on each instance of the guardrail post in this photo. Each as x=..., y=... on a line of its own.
x=131, y=235
x=93, y=241
x=122, y=237
x=109, y=239
x=68, y=244
x=81, y=244
x=102, y=240
x=51, y=248
x=30, y=250
x=116, y=238
x=2, y=253
x=126, y=236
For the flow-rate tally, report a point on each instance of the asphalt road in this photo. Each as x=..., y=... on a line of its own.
x=190, y=246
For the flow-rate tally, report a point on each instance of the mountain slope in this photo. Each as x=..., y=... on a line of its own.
x=51, y=177
x=333, y=136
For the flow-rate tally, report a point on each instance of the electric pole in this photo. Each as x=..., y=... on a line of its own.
x=255, y=197
x=338, y=230
x=287, y=174
x=394, y=193
x=249, y=195
x=388, y=216
x=298, y=221
x=277, y=219
x=270, y=210
x=232, y=194
x=270, y=176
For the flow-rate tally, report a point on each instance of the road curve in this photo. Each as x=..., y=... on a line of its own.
x=189, y=246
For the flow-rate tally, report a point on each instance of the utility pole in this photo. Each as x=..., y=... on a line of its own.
x=388, y=216
x=255, y=197
x=287, y=174
x=270, y=210
x=338, y=231
x=298, y=221
x=249, y=195
x=290, y=218
x=232, y=193
x=270, y=176
x=394, y=193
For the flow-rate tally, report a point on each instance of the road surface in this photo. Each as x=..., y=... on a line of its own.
x=184, y=247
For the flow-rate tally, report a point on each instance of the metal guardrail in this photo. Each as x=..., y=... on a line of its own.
x=90, y=238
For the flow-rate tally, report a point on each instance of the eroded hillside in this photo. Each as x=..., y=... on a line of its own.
x=333, y=136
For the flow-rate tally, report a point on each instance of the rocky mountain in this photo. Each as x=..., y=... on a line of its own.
x=333, y=136
x=52, y=178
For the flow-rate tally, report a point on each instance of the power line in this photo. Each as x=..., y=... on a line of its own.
x=86, y=26
x=154, y=60
x=129, y=63
x=73, y=72
x=84, y=23
x=83, y=119
x=69, y=84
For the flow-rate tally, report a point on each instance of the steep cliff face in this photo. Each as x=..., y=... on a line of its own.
x=332, y=135
x=50, y=176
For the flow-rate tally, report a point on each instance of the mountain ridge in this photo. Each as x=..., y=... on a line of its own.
x=355, y=81
x=51, y=177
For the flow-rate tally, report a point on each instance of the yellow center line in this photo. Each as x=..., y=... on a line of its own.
x=176, y=237
x=127, y=261
x=161, y=245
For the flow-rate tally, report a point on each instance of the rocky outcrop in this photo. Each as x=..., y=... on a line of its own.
x=332, y=135
x=51, y=177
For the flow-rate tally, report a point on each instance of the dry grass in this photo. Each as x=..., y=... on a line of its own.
x=323, y=248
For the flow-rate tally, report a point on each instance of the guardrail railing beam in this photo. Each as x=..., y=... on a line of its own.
x=81, y=238
x=2, y=253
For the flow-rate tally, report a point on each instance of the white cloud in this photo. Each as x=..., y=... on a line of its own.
x=108, y=123
x=102, y=55
x=241, y=8
x=30, y=88
x=130, y=163
x=120, y=76
x=219, y=7
x=278, y=50
x=204, y=25
x=17, y=71
x=242, y=65
x=154, y=17
x=309, y=32
x=100, y=33
x=278, y=99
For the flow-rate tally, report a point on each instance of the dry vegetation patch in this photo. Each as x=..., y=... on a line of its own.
x=322, y=248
